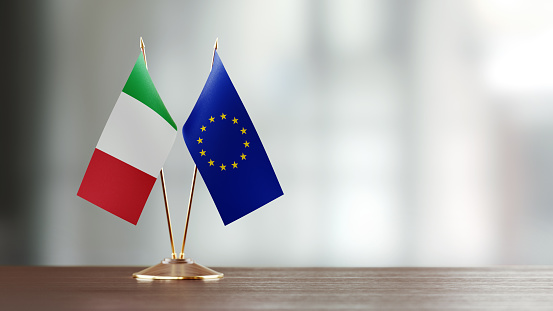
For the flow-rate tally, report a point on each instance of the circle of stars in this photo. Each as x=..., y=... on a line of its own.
x=203, y=153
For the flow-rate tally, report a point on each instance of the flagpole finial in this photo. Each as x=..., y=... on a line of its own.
x=214, y=49
x=143, y=49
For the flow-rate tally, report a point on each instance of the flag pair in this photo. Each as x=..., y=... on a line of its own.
x=220, y=137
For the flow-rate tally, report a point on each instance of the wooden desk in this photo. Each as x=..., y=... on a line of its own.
x=113, y=288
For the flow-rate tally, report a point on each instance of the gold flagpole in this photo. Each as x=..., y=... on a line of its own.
x=181, y=255
x=173, y=254
x=178, y=268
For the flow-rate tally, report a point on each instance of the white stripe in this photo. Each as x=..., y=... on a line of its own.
x=137, y=135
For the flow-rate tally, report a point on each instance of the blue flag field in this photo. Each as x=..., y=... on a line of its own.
x=227, y=150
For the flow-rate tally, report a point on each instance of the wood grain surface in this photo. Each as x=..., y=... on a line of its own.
x=113, y=288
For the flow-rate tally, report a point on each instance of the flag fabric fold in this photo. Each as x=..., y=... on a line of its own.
x=132, y=149
x=227, y=150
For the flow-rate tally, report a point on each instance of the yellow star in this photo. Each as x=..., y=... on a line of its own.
x=202, y=128
x=199, y=140
x=202, y=153
x=212, y=119
x=246, y=144
x=223, y=116
x=243, y=156
x=234, y=165
x=223, y=167
x=234, y=120
x=243, y=130
x=211, y=162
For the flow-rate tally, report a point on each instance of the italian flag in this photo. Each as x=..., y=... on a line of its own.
x=132, y=149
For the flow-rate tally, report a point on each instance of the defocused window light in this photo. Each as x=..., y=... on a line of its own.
x=518, y=46
x=521, y=66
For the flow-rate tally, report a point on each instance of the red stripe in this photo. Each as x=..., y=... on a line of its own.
x=116, y=186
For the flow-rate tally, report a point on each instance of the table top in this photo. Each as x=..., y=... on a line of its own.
x=112, y=288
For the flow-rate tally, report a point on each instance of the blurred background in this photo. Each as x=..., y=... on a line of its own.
x=403, y=133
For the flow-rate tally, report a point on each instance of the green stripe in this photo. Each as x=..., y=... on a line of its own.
x=140, y=86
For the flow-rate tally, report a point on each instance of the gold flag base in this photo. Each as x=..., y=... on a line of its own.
x=177, y=269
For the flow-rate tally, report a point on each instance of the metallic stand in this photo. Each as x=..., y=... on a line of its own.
x=173, y=268
x=177, y=269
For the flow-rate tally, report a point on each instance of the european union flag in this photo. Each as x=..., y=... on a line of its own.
x=227, y=150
